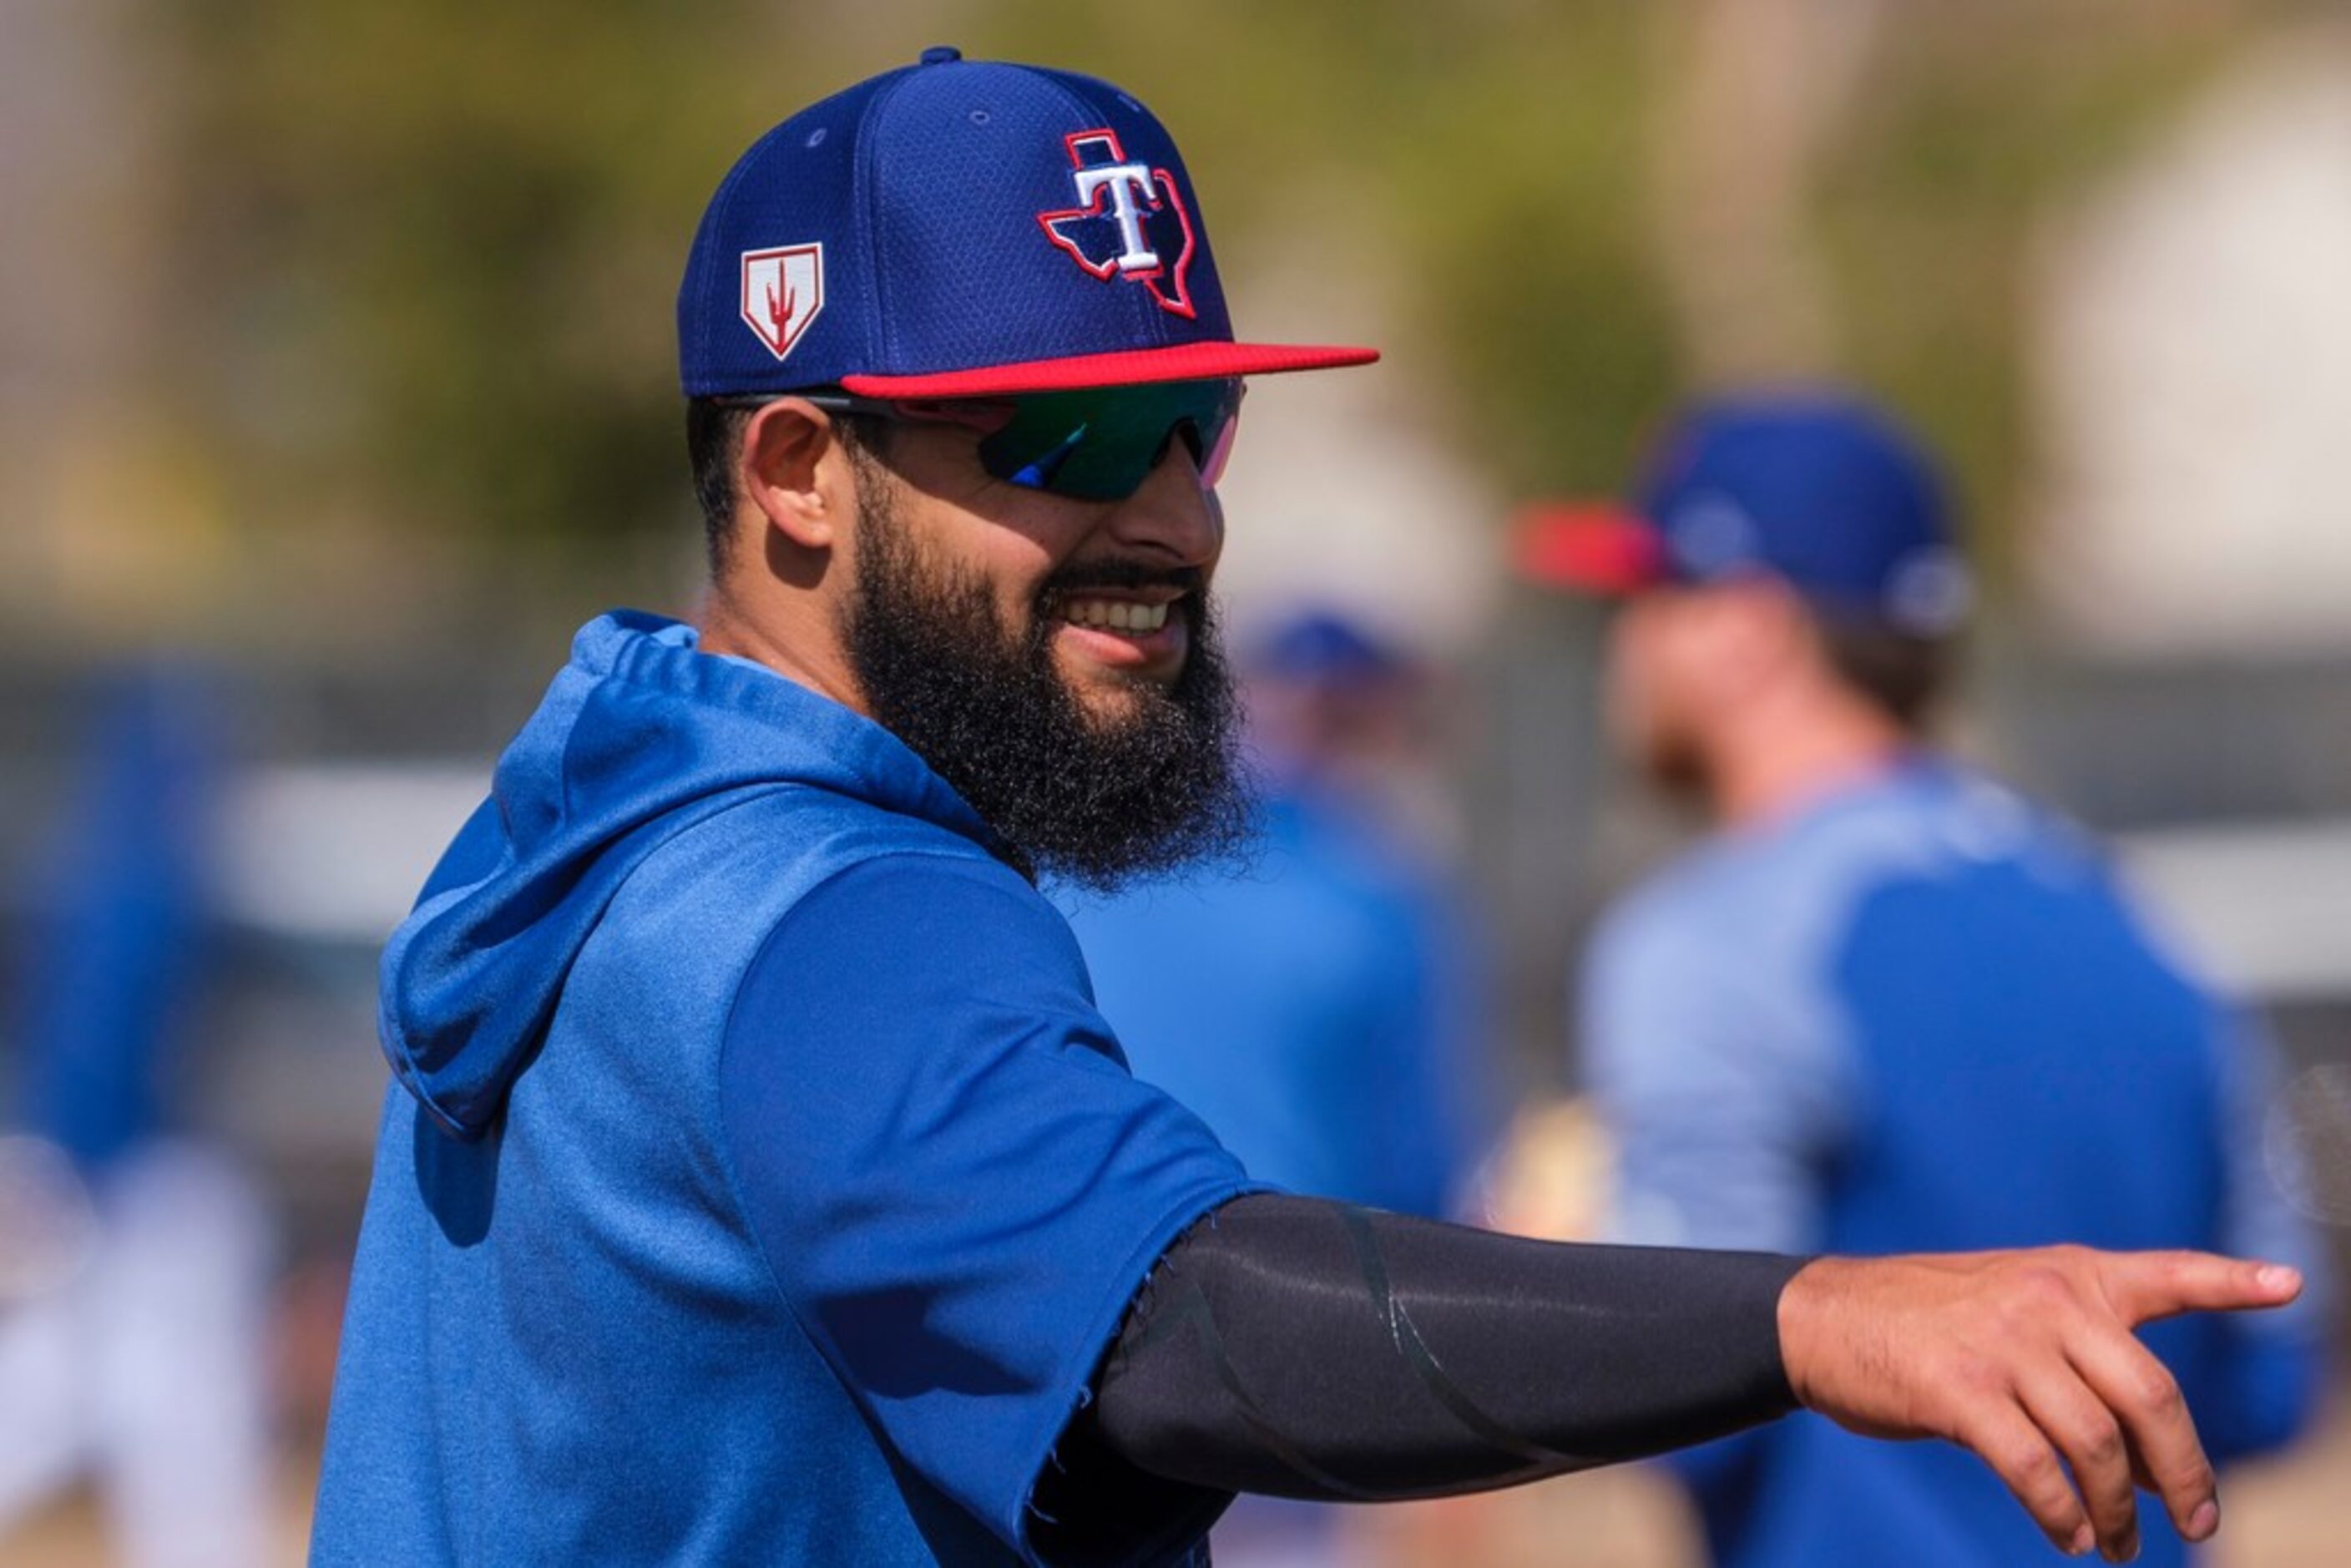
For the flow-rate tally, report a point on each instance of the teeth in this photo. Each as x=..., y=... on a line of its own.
x=1114, y=614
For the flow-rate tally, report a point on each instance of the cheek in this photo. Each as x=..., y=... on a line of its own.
x=1021, y=565
x=1015, y=572
x=1021, y=604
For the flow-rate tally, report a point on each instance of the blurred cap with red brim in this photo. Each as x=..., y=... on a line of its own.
x=1599, y=548
x=1810, y=487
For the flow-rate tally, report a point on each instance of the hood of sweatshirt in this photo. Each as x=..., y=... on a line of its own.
x=640, y=737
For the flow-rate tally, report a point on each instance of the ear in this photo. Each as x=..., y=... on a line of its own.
x=790, y=467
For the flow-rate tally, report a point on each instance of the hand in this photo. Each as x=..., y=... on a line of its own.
x=2027, y=1358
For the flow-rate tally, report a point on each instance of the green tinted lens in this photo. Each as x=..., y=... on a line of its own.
x=1100, y=444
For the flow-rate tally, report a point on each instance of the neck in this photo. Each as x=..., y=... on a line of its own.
x=1773, y=761
x=726, y=624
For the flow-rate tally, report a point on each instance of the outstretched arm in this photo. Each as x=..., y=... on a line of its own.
x=1316, y=1350
x=1310, y=1349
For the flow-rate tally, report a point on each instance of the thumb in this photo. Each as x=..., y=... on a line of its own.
x=2145, y=1285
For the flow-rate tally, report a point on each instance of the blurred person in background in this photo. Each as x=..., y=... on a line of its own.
x=1318, y=1005
x=132, y=1330
x=1889, y=1005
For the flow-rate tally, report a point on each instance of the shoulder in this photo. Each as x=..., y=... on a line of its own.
x=755, y=859
x=923, y=920
x=1744, y=923
x=720, y=902
x=930, y=883
x=1783, y=890
x=1950, y=813
x=794, y=822
x=1967, y=838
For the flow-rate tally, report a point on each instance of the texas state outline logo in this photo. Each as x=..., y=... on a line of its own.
x=1130, y=238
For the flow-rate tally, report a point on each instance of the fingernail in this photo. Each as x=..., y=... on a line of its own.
x=2204, y=1521
x=2276, y=1277
x=2084, y=1539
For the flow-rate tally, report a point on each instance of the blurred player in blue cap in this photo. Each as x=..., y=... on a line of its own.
x=1889, y=1005
x=760, y=1182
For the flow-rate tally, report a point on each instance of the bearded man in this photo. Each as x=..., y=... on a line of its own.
x=760, y=1184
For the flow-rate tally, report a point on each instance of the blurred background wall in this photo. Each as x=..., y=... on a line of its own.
x=334, y=355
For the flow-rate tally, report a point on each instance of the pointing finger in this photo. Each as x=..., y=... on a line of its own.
x=2145, y=1285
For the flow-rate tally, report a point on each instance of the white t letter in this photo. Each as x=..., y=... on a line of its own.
x=1123, y=180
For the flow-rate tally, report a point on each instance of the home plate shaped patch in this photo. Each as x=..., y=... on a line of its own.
x=783, y=289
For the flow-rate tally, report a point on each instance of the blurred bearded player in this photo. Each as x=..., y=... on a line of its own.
x=1888, y=1003
x=760, y=1184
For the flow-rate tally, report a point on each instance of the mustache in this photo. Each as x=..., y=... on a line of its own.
x=1121, y=574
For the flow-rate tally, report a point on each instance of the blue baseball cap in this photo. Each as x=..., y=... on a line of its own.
x=1815, y=488
x=1317, y=646
x=958, y=228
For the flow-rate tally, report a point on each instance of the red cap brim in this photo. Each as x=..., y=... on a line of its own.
x=1183, y=362
x=1593, y=548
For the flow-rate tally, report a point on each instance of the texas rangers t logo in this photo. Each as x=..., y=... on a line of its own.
x=1129, y=223
x=783, y=289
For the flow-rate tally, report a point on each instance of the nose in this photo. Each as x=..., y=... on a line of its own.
x=1172, y=517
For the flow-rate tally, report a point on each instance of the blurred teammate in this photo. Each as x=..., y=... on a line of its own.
x=131, y=1353
x=1890, y=1006
x=1317, y=1005
x=761, y=1184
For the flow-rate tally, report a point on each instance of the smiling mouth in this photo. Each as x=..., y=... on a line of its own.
x=1112, y=614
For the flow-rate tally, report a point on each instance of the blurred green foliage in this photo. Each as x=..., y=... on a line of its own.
x=424, y=253
x=431, y=243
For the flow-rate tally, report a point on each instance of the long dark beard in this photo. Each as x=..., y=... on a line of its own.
x=1089, y=801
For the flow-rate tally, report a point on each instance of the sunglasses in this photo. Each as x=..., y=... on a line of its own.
x=1096, y=444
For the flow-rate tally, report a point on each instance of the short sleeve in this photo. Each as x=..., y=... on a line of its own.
x=958, y=1183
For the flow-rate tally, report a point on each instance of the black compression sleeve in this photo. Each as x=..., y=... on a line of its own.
x=1314, y=1350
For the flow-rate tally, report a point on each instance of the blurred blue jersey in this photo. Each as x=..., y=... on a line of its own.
x=115, y=949
x=1920, y=1015
x=1318, y=1008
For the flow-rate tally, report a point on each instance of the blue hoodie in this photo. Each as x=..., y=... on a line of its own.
x=760, y=1183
